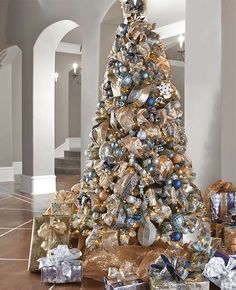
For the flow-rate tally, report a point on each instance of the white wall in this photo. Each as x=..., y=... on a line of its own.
x=6, y=116
x=202, y=98
x=17, y=107
x=64, y=62
x=228, y=81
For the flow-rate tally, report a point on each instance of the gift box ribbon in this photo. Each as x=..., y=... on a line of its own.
x=173, y=268
x=62, y=256
x=49, y=232
x=217, y=269
x=126, y=273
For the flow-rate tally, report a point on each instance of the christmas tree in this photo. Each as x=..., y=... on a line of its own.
x=138, y=182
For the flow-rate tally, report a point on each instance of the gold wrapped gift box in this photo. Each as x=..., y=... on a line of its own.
x=47, y=233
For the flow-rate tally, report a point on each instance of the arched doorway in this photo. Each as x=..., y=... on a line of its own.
x=43, y=179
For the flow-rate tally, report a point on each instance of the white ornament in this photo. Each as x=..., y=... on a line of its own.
x=142, y=135
x=147, y=234
x=165, y=89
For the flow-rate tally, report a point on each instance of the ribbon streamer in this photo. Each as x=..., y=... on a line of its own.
x=165, y=267
x=125, y=273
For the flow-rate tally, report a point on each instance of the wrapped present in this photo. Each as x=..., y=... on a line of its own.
x=230, y=239
x=220, y=198
x=197, y=282
x=123, y=278
x=220, y=272
x=223, y=255
x=156, y=284
x=168, y=273
x=64, y=204
x=61, y=266
x=47, y=232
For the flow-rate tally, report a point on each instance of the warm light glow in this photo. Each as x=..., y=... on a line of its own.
x=75, y=66
x=181, y=40
x=56, y=75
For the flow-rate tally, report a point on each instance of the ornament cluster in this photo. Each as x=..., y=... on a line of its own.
x=138, y=183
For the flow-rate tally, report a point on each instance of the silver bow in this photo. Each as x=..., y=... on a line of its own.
x=216, y=269
x=61, y=255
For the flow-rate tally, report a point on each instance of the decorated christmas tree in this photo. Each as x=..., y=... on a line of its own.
x=138, y=182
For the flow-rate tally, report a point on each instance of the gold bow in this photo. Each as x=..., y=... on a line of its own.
x=49, y=232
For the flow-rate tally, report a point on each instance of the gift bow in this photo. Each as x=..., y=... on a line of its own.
x=62, y=256
x=217, y=269
x=174, y=268
x=50, y=231
x=63, y=196
x=125, y=273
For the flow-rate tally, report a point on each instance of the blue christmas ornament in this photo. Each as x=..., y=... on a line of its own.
x=151, y=169
x=178, y=221
x=124, y=98
x=137, y=217
x=151, y=101
x=176, y=236
x=177, y=183
x=127, y=80
x=114, y=145
x=144, y=75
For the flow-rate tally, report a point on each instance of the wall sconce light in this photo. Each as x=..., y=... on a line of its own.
x=181, y=47
x=56, y=75
x=75, y=67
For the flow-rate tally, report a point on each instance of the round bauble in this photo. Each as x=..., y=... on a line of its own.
x=144, y=75
x=124, y=98
x=131, y=199
x=123, y=69
x=118, y=64
x=151, y=101
x=164, y=166
x=142, y=135
x=105, y=151
x=150, y=169
x=103, y=195
x=178, y=220
x=177, y=183
x=177, y=158
x=147, y=234
x=176, y=236
x=116, y=71
x=127, y=80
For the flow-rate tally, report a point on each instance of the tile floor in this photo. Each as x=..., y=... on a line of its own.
x=16, y=213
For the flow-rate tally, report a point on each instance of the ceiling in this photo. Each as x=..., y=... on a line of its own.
x=163, y=12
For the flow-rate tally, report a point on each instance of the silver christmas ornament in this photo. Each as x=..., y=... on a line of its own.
x=147, y=234
x=142, y=135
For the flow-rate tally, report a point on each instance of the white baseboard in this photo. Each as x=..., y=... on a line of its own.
x=6, y=174
x=70, y=143
x=38, y=184
x=17, y=167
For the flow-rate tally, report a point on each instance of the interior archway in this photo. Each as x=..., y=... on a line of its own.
x=43, y=104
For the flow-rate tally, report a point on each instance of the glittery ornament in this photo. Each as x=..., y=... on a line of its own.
x=178, y=220
x=142, y=135
x=147, y=234
x=144, y=75
x=127, y=80
x=151, y=101
x=105, y=151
